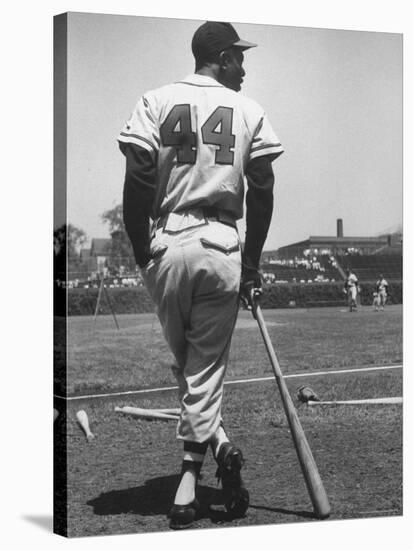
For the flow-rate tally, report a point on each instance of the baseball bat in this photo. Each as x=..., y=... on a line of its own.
x=84, y=424
x=175, y=411
x=374, y=401
x=146, y=413
x=312, y=478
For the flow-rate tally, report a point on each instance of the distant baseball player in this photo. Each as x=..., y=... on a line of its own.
x=188, y=146
x=382, y=289
x=376, y=301
x=351, y=288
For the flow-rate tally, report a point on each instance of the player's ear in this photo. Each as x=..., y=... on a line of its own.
x=224, y=59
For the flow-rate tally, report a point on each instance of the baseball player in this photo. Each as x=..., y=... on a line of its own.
x=189, y=147
x=351, y=289
x=382, y=289
x=376, y=301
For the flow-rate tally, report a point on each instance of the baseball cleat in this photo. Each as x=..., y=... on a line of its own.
x=236, y=495
x=182, y=516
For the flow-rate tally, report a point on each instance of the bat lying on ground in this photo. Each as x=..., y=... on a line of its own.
x=176, y=411
x=162, y=414
x=84, y=424
x=312, y=478
x=376, y=401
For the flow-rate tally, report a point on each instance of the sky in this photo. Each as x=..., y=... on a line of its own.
x=333, y=97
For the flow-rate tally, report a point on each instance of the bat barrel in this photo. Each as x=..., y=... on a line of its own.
x=147, y=413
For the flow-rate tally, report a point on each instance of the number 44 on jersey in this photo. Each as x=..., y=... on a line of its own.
x=176, y=131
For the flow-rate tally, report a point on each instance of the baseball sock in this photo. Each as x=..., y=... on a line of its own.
x=194, y=454
x=218, y=439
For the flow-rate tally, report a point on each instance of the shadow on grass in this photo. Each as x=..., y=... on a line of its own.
x=155, y=498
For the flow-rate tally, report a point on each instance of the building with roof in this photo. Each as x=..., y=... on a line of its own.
x=96, y=257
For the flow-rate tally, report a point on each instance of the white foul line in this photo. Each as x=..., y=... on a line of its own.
x=231, y=382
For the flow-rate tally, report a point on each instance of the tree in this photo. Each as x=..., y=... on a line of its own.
x=67, y=242
x=121, y=252
x=114, y=218
x=68, y=239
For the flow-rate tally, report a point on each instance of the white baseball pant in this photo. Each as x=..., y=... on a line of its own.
x=194, y=280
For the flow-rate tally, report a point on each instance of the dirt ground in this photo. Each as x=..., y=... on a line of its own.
x=124, y=480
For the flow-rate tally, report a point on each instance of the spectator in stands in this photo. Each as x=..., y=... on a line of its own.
x=351, y=289
x=381, y=289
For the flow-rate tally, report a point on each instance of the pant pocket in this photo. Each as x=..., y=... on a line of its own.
x=225, y=247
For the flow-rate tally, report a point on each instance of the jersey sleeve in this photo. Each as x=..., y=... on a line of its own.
x=142, y=128
x=264, y=141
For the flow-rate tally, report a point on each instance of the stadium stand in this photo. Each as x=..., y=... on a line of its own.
x=321, y=268
x=368, y=268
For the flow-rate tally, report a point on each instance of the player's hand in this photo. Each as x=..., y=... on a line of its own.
x=142, y=258
x=145, y=263
x=251, y=284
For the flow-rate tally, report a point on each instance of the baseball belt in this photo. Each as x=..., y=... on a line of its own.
x=206, y=213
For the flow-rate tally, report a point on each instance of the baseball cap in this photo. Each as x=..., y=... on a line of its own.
x=213, y=37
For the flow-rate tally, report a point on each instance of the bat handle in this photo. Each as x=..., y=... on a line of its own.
x=256, y=293
x=255, y=296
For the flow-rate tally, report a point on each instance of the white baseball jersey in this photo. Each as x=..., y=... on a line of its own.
x=352, y=280
x=201, y=136
x=382, y=285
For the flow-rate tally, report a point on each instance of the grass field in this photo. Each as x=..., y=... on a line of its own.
x=101, y=358
x=124, y=480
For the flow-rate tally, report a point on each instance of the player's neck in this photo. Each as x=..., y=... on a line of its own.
x=208, y=71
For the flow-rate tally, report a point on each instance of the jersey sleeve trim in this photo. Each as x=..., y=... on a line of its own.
x=138, y=140
x=273, y=149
